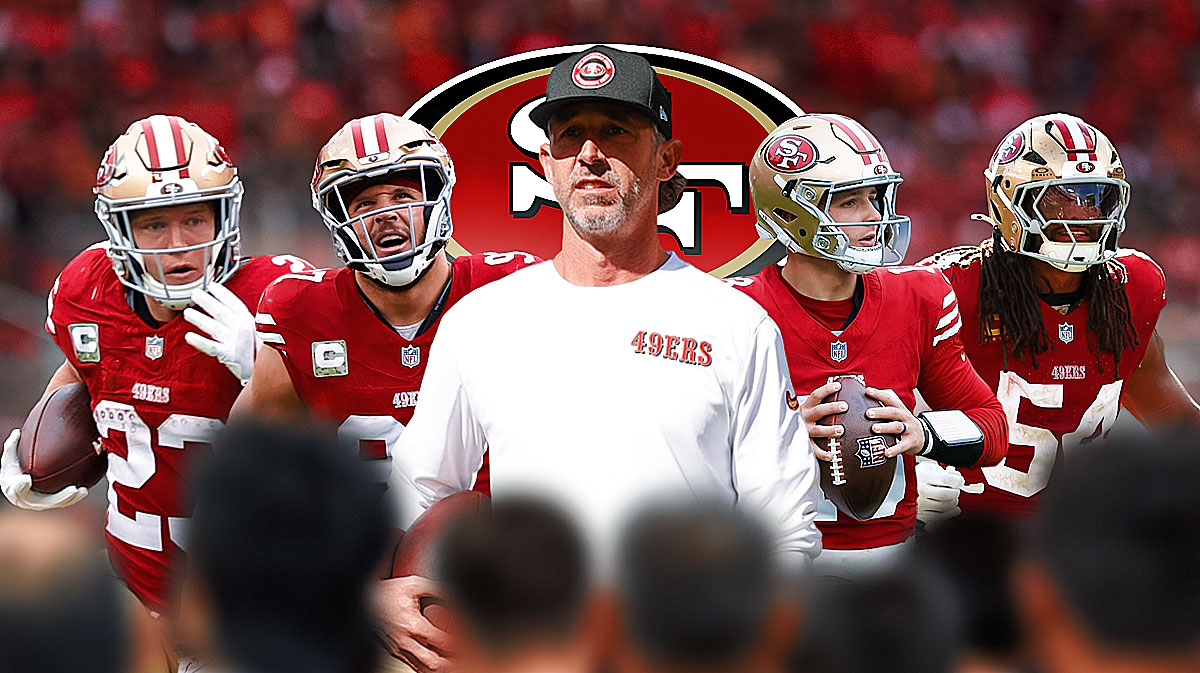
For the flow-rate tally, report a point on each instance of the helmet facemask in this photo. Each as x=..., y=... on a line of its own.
x=1033, y=205
x=351, y=233
x=830, y=240
x=140, y=268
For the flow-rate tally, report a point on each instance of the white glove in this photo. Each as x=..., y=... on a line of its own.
x=18, y=486
x=938, y=489
x=234, y=340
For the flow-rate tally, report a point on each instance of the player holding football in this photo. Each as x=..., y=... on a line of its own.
x=349, y=345
x=168, y=198
x=1063, y=320
x=822, y=186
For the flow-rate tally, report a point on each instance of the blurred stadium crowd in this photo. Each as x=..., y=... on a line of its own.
x=938, y=80
x=280, y=569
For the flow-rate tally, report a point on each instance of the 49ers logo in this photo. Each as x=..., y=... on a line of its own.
x=790, y=154
x=108, y=166
x=503, y=202
x=593, y=71
x=1010, y=149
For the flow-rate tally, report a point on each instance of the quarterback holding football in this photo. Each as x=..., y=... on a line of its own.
x=823, y=187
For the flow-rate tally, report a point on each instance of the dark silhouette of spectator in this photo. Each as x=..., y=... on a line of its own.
x=1109, y=580
x=287, y=532
x=699, y=590
x=517, y=577
x=900, y=622
x=61, y=609
x=976, y=556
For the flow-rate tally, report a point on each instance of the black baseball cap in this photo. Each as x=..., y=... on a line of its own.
x=602, y=73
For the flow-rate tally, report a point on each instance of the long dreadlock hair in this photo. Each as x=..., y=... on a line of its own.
x=1008, y=290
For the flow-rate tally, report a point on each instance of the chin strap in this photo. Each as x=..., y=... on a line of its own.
x=951, y=437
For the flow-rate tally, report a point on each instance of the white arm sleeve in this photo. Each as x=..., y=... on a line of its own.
x=774, y=470
x=442, y=448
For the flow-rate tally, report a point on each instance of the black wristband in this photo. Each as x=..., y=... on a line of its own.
x=951, y=437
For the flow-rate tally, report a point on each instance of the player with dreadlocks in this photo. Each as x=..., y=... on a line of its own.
x=1066, y=320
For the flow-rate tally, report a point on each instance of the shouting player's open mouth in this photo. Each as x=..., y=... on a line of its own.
x=391, y=242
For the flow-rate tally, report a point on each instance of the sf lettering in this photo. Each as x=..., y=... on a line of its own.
x=528, y=190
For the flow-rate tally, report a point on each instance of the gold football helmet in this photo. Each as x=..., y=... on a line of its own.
x=371, y=150
x=1057, y=192
x=167, y=161
x=796, y=171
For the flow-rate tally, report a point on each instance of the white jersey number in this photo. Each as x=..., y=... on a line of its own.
x=1099, y=415
x=144, y=530
x=376, y=436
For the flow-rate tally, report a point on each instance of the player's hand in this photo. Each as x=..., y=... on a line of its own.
x=898, y=420
x=230, y=325
x=813, y=411
x=18, y=486
x=406, y=632
x=938, y=490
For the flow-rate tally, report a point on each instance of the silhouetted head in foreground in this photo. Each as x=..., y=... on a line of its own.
x=287, y=531
x=1109, y=580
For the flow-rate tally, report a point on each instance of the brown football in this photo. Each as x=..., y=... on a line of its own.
x=858, y=478
x=58, y=441
x=417, y=553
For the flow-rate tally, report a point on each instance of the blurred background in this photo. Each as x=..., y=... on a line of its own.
x=940, y=82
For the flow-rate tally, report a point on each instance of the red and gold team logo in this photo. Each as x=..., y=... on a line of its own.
x=108, y=166
x=1011, y=148
x=790, y=153
x=593, y=71
x=502, y=201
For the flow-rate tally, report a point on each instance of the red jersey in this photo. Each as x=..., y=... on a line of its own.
x=904, y=337
x=1063, y=403
x=156, y=400
x=347, y=364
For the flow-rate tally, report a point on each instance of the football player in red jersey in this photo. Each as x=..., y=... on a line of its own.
x=348, y=346
x=822, y=186
x=168, y=198
x=1061, y=321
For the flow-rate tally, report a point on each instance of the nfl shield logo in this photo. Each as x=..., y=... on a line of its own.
x=410, y=356
x=1066, y=332
x=837, y=351
x=154, y=347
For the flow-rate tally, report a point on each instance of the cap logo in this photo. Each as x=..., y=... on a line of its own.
x=593, y=71
x=880, y=169
x=1010, y=148
x=171, y=188
x=790, y=153
x=1086, y=167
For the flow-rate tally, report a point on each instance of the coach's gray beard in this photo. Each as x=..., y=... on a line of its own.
x=609, y=221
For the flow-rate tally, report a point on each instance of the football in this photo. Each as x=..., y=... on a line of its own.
x=417, y=553
x=58, y=446
x=858, y=478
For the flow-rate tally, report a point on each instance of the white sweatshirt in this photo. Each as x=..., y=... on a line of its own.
x=601, y=398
